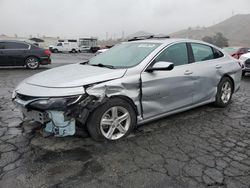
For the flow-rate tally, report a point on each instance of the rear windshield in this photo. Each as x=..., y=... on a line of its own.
x=231, y=50
x=125, y=55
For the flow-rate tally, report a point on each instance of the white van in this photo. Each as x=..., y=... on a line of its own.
x=65, y=46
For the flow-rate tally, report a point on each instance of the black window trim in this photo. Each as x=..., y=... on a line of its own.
x=219, y=51
x=190, y=53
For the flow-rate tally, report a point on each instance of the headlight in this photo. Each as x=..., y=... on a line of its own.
x=55, y=103
x=13, y=95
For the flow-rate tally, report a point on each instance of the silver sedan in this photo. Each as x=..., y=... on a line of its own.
x=130, y=84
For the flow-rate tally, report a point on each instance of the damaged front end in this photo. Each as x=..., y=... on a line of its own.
x=58, y=114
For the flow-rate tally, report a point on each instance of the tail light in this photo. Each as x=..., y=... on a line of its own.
x=47, y=52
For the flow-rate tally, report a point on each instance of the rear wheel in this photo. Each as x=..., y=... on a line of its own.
x=112, y=121
x=73, y=51
x=32, y=63
x=55, y=50
x=224, y=92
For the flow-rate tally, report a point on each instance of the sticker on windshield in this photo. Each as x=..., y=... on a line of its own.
x=146, y=45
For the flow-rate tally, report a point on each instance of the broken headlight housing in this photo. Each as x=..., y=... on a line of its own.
x=57, y=103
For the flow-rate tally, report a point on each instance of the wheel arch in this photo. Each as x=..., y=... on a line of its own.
x=25, y=59
x=127, y=99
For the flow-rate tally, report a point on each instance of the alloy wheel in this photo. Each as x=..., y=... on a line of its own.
x=32, y=63
x=115, y=122
x=226, y=92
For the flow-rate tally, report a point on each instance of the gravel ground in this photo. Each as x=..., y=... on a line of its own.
x=203, y=147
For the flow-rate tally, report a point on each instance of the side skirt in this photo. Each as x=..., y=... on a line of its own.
x=140, y=122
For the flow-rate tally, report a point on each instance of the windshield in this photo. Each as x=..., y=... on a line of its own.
x=125, y=55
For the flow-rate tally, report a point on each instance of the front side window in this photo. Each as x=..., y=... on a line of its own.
x=176, y=54
x=59, y=44
x=202, y=52
x=125, y=55
x=16, y=45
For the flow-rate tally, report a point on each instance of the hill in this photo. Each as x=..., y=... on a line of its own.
x=139, y=33
x=236, y=29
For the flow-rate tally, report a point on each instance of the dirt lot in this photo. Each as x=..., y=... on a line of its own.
x=203, y=147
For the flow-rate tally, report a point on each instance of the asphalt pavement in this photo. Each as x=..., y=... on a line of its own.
x=203, y=147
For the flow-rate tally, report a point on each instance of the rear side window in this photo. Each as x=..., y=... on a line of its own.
x=176, y=54
x=217, y=53
x=16, y=45
x=202, y=52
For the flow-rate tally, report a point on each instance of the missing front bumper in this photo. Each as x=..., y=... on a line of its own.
x=62, y=121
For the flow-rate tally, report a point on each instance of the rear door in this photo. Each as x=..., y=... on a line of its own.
x=165, y=91
x=208, y=63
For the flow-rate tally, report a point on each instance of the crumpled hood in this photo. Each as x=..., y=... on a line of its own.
x=74, y=75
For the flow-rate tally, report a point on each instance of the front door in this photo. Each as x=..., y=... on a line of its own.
x=166, y=91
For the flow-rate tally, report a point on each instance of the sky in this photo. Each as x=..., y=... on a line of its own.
x=111, y=18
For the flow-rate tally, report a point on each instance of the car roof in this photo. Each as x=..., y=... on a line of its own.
x=20, y=41
x=167, y=41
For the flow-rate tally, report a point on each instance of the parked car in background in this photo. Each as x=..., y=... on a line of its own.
x=245, y=60
x=65, y=46
x=101, y=51
x=19, y=53
x=130, y=84
x=236, y=52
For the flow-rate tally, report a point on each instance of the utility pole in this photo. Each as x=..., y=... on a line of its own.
x=123, y=34
x=107, y=35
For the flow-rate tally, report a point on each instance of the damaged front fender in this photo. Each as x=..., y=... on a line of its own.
x=128, y=88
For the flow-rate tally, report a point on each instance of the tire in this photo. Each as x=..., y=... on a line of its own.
x=32, y=63
x=224, y=92
x=243, y=73
x=73, y=51
x=55, y=50
x=111, y=130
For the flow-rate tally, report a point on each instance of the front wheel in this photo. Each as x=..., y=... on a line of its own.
x=112, y=121
x=55, y=51
x=224, y=92
x=32, y=63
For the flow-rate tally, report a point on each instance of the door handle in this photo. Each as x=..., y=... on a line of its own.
x=188, y=72
x=217, y=66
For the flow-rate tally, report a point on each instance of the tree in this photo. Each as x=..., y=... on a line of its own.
x=208, y=39
x=218, y=39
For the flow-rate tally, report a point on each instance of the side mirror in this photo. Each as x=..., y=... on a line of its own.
x=161, y=66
